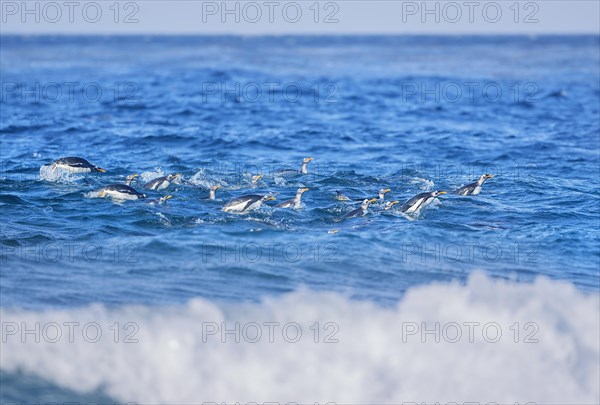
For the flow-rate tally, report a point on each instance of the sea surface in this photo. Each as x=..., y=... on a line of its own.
x=412, y=114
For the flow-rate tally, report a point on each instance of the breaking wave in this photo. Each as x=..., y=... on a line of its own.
x=487, y=340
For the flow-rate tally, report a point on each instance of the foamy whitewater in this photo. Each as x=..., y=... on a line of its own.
x=382, y=355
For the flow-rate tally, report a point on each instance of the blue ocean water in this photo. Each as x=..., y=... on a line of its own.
x=411, y=114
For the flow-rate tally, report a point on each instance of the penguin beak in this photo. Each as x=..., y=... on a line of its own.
x=269, y=198
x=489, y=176
x=168, y=197
x=394, y=202
x=372, y=200
x=308, y=159
x=101, y=170
x=216, y=187
x=387, y=190
x=442, y=192
x=304, y=189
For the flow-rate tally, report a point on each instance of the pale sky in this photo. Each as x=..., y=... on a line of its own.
x=300, y=17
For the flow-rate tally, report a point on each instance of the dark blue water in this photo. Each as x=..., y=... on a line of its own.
x=410, y=113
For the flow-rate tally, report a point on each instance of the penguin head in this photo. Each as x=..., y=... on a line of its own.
x=389, y=204
x=174, y=176
x=383, y=192
x=365, y=204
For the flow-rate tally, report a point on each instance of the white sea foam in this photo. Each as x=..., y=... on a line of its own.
x=92, y=194
x=280, y=180
x=54, y=174
x=424, y=184
x=151, y=175
x=203, y=179
x=376, y=359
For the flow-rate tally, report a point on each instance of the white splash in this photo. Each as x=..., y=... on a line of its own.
x=424, y=184
x=151, y=175
x=92, y=194
x=205, y=180
x=547, y=350
x=279, y=180
x=54, y=174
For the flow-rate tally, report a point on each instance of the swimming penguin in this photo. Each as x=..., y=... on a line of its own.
x=341, y=196
x=255, y=179
x=246, y=203
x=213, y=191
x=162, y=182
x=389, y=204
x=362, y=210
x=294, y=202
x=303, y=170
x=122, y=191
x=380, y=197
x=305, y=162
x=160, y=200
x=475, y=187
x=75, y=165
x=415, y=204
x=382, y=194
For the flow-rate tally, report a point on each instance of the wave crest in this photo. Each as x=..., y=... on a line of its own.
x=377, y=357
